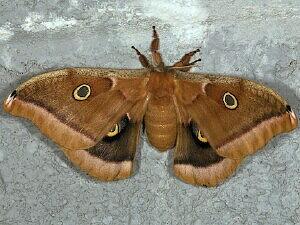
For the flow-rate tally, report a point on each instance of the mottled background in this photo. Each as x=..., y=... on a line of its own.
x=258, y=40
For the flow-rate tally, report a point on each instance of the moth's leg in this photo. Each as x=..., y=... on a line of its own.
x=155, y=41
x=154, y=48
x=185, y=63
x=142, y=58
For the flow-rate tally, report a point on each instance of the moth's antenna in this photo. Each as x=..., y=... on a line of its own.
x=194, y=62
x=187, y=67
x=142, y=58
x=184, y=63
x=154, y=48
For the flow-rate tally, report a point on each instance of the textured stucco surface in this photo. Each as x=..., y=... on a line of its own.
x=258, y=40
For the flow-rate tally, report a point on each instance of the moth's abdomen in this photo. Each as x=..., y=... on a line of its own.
x=160, y=123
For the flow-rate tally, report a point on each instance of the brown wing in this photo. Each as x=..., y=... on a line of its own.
x=196, y=162
x=112, y=157
x=239, y=123
x=49, y=102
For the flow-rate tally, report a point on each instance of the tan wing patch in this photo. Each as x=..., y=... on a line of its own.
x=98, y=168
x=51, y=127
x=209, y=176
x=258, y=136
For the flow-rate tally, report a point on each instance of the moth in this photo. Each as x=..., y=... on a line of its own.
x=97, y=115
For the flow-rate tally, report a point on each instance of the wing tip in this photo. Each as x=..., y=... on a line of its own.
x=254, y=139
x=48, y=124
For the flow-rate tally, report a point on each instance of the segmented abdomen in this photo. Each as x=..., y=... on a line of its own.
x=160, y=123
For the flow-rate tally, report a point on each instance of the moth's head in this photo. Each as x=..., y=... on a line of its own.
x=157, y=64
x=9, y=102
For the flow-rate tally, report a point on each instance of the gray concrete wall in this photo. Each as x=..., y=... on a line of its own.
x=258, y=40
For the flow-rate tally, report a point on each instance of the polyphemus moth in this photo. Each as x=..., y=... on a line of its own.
x=96, y=116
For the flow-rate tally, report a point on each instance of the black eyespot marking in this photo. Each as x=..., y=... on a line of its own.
x=230, y=100
x=13, y=94
x=116, y=132
x=288, y=108
x=82, y=92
